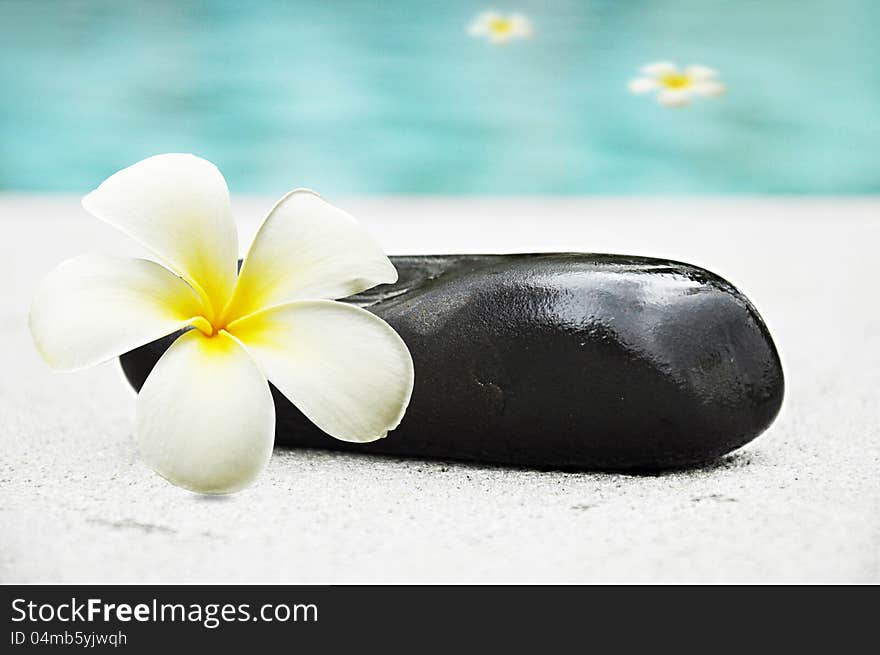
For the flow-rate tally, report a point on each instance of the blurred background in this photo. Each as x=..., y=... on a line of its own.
x=395, y=97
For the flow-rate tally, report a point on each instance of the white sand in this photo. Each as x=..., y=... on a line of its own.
x=802, y=503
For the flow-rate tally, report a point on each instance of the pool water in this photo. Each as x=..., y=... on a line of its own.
x=396, y=97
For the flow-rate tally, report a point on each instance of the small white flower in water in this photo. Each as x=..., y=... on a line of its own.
x=205, y=416
x=499, y=28
x=676, y=87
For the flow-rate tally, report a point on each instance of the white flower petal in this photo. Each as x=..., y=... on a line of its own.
x=480, y=24
x=674, y=97
x=346, y=369
x=205, y=417
x=709, y=88
x=701, y=73
x=500, y=37
x=522, y=26
x=178, y=206
x=659, y=68
x=307, y=248
x=642, y=85
x=93, y=308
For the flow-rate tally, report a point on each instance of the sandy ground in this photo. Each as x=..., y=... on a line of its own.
x=800, y=504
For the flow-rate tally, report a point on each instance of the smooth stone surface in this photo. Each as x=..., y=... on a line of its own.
x=563, y=361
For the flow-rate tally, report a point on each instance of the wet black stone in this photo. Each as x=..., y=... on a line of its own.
x=573, y=361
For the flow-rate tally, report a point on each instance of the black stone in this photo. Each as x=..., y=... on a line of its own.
x=573, y=361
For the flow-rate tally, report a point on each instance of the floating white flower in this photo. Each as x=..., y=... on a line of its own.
x=499, y=28
x=676, y=87
x=205, y=416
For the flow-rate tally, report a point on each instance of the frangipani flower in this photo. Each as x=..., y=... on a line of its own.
x=205, y=416
x=499, y=28
x=676, y=87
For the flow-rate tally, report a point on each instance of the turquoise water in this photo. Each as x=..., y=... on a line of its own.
x=395, y=97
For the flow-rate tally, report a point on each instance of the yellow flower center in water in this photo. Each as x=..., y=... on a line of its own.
x=500, y=25
x=675, y=81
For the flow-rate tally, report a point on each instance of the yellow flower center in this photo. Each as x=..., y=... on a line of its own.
x=500, y=25
x=675, y=81
x=211, y=323
x=204, y=326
